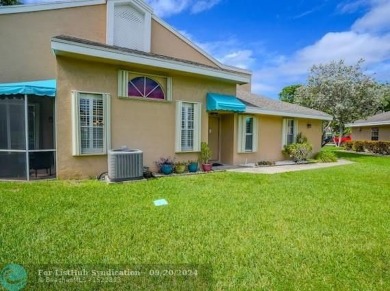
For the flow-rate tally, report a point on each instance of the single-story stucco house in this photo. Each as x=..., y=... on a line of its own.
x=376, y=127
x=80, y=78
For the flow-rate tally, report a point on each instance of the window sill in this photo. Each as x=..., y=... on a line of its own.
x=91, y=155
x=144, y=99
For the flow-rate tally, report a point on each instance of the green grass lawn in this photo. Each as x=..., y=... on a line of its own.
x=309, y=230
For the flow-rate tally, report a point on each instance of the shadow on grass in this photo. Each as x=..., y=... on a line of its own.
x=355, y=155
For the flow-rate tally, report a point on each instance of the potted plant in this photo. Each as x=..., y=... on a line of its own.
x=165, y=165
x=205, y=155
x=192, y=166
x=180, y=167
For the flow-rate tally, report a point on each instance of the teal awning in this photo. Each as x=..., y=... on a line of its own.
x=218, y=102
x=40, y=88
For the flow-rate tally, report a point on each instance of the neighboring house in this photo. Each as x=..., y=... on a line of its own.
x=87, y=76
x=376, y=127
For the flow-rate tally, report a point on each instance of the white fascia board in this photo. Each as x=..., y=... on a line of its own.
x=110, y=54
x=194, y=46
x=377, y=123
x=47, y=6
x=254, y=110
x=139, y=3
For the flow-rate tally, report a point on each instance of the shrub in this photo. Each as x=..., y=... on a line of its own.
x=326, y=157
x=348, y=145
x=376, y=147
x=358, y=146
x=298, y=151
x=301, y=138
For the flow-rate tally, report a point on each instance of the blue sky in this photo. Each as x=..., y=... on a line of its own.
x=280, y=40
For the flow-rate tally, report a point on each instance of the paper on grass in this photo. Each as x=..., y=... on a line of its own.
x=160, y=202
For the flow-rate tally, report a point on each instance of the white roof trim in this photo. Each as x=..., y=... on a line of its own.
x=194, y=46
x=255, y=110
x=140, y=3
x=59, y=45
x=47, y=6
x=385, y=122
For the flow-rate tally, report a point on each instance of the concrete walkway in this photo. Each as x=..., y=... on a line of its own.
x=289, y=168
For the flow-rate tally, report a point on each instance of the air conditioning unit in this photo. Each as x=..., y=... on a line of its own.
x=125, y=164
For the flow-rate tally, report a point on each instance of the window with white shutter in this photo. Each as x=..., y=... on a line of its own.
x=290, y=131
x=90, y=123
x=247, y=134
x=188, y=126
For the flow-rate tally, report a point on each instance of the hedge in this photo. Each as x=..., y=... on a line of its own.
x=376, y=147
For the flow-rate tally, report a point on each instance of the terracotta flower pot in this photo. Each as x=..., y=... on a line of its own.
x=207, y=167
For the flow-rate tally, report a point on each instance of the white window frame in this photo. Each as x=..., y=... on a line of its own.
x=285, y=130
x=242, y=134
x=123, y=81
x=197, y=126
x=76, y=127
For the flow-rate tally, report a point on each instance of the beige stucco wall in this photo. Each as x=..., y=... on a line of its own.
x=228, y=142
x=25, y=48
x=147, y=125
x=150, y=125
x=364, y=133
x=166, y=43
x=270, y=130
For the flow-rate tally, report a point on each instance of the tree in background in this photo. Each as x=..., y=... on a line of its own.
x=385, y=104
x=9, y=2
x=288, y=93
x=342, y=91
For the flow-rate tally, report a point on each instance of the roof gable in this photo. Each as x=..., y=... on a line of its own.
x=378, y=119
x=76, y=47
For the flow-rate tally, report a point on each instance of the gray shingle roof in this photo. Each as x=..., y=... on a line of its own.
x=141, y=53
x=378, y=119
x=270, y=106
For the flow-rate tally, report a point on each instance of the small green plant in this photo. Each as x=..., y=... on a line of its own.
x=298, y=151
x=165, y=161
x=205, y=153
x=301, y=138
x=326, y=157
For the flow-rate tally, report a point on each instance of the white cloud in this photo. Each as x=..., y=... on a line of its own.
x=348, y=45
x=368, y=38
x=166, y=8
x=200, y=6
x=240, y=58
x=377, y=20
x=352, y=6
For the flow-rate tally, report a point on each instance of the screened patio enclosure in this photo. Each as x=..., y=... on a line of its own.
x=27, y=144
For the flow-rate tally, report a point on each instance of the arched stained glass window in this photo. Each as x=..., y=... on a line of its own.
x=146, y=88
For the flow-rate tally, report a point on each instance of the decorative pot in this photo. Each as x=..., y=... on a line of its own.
x=166, y=169
x=193, y=167
x=207, y=167
x=179, y=169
